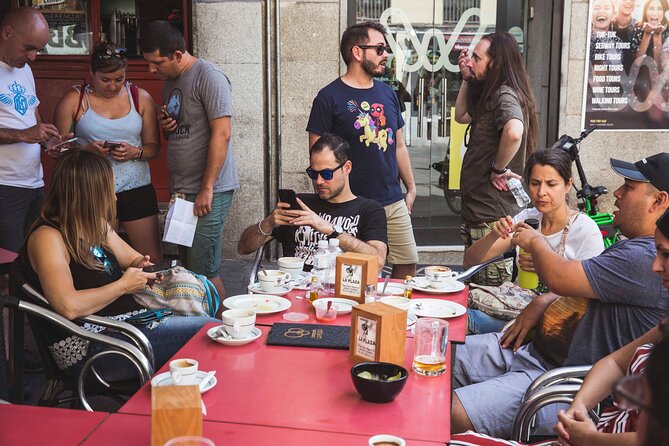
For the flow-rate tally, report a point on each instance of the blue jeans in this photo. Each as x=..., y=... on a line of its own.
x=166, y=339
x=204, y=257
x=479, y=322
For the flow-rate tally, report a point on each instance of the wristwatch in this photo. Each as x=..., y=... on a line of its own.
x=498, y=171
x=336, y=231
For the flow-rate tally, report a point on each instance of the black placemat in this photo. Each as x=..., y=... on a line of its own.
x=309, y=335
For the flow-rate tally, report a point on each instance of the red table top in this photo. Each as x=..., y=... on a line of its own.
x=7, y=256
x=456, y=330
x=131, y=430
x=308, y=388
x=23, y=425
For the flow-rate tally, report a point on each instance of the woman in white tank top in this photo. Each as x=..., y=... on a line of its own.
x=117, y=121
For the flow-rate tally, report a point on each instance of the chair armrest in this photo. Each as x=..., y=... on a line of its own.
x=133, y=333
x=260, y=252
x=562, y=393
x=466, y=274
x=560, y=375
x=146, y=368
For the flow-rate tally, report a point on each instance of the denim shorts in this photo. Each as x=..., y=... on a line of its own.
x=204, y=257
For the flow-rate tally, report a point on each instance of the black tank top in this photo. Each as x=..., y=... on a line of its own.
x=84, y=278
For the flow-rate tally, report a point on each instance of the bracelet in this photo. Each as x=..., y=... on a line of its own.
x=260, y=229
x=141, y=153
x=499, y=171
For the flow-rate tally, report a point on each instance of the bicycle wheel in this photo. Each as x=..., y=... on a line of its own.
x=453, y=200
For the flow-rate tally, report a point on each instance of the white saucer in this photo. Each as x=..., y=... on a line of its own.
x=256, y=288
x=165, y=379
x=436, y=308
x=303, y=282
x=422, y=284
x=260, y=303
x=343, y=306
x=255, y=334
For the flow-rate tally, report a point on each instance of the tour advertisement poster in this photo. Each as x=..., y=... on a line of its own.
x=627, y=65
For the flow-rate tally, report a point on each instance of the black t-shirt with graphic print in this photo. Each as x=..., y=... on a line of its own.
x=362, y=218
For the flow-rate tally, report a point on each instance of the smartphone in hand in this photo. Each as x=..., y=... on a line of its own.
x=64, y=145
x=112, y=145
x=161, y=266
x=288, y=196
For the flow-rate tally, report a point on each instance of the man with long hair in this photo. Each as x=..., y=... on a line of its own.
x=366, y=113
x=496, y=100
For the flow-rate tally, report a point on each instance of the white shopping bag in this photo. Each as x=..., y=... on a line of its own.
x=180, y=223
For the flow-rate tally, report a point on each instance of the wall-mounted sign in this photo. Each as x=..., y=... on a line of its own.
x=627, y=70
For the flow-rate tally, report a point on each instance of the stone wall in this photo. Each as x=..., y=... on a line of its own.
x=232, y=34
x=599, y=146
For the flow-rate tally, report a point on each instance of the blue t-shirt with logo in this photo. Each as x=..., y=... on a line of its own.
x=368, y=118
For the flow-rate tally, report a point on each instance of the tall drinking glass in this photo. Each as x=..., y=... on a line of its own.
x=430, y=341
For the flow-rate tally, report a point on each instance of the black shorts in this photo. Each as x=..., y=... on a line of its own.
x=136, y=203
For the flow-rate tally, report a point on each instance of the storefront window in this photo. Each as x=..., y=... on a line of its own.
x=68, y=24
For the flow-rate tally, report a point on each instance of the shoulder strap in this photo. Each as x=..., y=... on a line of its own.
x=563, y=240
x=134, y=92
x=82, y=91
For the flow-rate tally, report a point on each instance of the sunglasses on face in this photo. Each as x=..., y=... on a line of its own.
x=630, y=393
x=326, y=174
x=380, y=48
x=108, y=53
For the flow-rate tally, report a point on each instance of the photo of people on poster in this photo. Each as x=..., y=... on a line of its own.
x=627, y=69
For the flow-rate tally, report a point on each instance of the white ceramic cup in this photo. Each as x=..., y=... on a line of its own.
x=239, y=323
x=439, y=276
x=291, y=265
x=183, y=371
x=385, y=439
x=273, y=281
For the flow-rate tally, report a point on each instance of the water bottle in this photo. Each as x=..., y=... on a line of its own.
x=528, y=279
x=516, y=188
x=322, y=265
x=333, y=251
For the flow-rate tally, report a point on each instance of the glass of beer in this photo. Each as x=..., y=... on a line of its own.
x=430, y=341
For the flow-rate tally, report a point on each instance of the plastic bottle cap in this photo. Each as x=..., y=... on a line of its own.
x=295, y=317
x=322, y=243
x=334, y=242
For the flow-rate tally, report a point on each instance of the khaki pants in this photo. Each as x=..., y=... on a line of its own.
x=494, y=274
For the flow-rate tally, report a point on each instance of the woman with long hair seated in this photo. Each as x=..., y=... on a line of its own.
x=572, y=234
x=81, y=264
x=117, y=120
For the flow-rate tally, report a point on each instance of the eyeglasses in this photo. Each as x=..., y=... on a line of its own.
x=326, y=174
x=380, y=48
x=108, y=53
x=630, y=393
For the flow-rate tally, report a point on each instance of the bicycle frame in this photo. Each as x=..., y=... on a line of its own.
x=587, y=194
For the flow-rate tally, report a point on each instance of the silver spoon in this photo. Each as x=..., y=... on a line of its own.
x=385, y=284
x=220, y=333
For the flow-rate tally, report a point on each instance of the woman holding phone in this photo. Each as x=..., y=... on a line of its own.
x=117, y=120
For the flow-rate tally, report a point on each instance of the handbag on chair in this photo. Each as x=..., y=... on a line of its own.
x=184, y=292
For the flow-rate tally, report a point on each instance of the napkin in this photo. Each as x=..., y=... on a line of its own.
x=180, y=223
x=309, y=335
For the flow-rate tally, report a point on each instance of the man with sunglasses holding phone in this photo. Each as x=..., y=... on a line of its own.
x=366, y=113
x=23, y=33
x=332, y=212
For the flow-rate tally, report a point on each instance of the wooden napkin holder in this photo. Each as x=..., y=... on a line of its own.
x=353, y=273
x=378, y=333
x=175, y=411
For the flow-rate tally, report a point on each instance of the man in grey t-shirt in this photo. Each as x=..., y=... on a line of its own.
x=492, y=371
x=196, y=119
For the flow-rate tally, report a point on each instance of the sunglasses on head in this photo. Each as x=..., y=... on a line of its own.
x=326, y=174
x=108, y=53
x=380, y=48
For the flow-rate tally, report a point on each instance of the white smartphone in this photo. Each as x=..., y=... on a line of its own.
x=61, y=145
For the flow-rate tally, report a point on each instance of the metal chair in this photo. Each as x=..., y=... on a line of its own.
x=64, y=349
x=559, y=385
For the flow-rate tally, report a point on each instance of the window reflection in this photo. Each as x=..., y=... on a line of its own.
x=68, y=25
